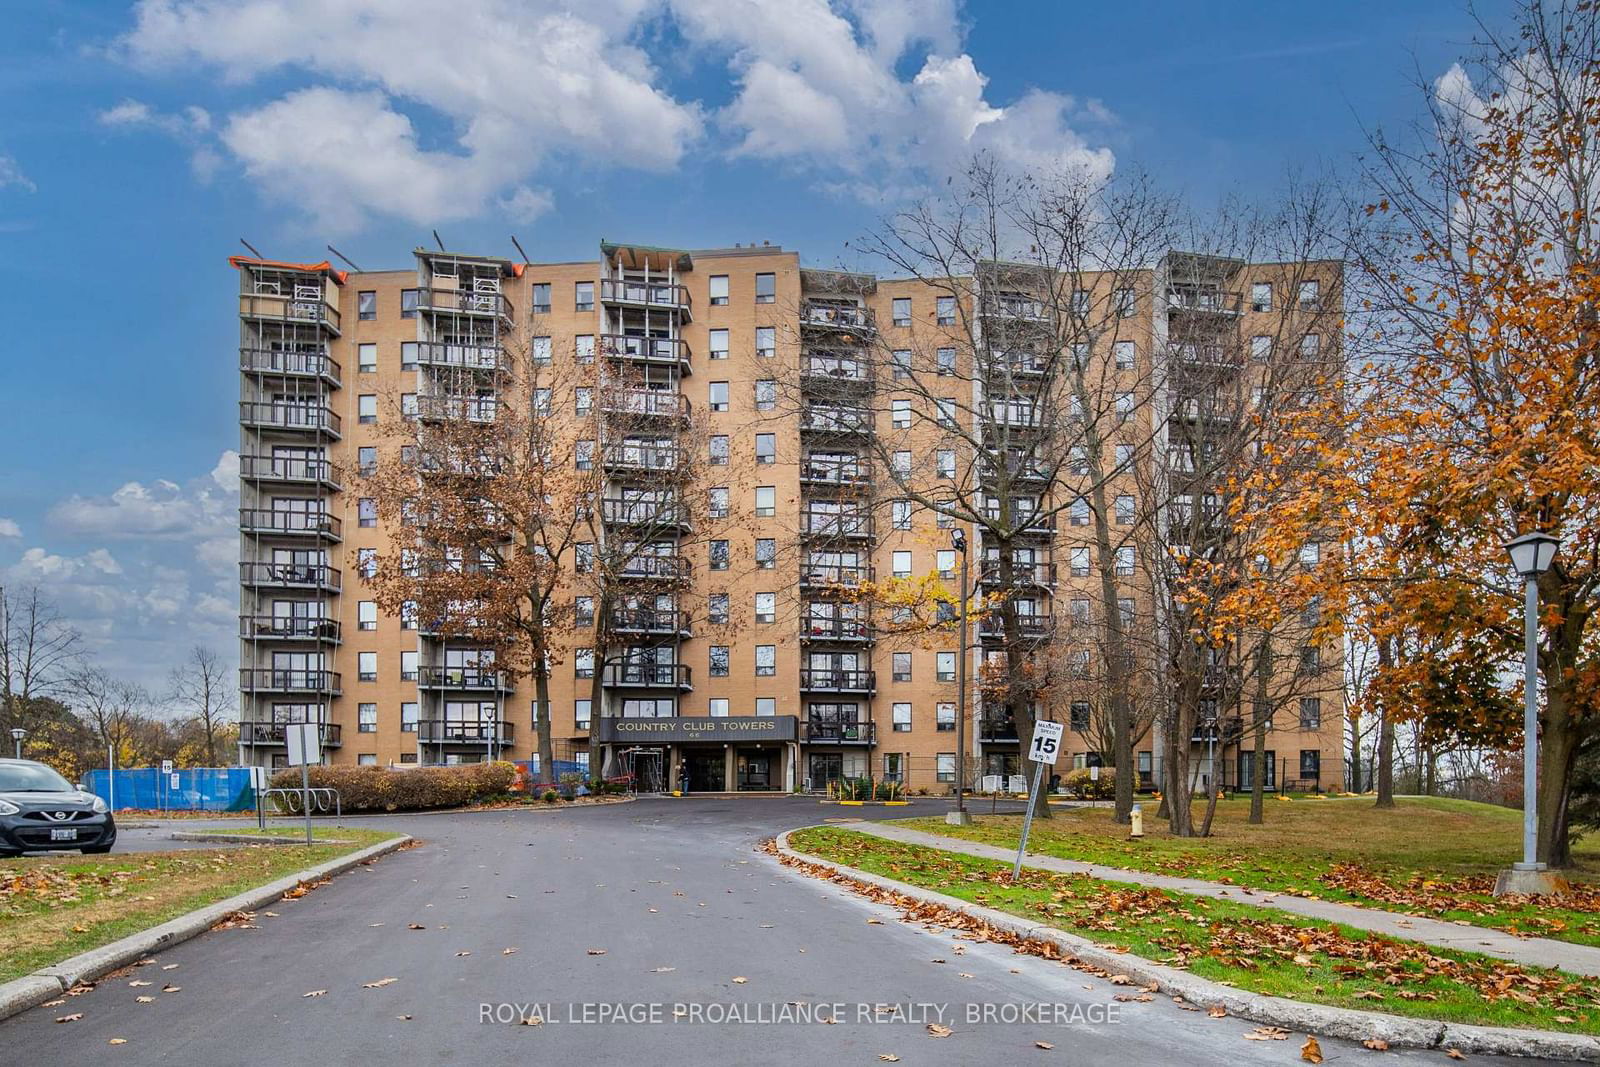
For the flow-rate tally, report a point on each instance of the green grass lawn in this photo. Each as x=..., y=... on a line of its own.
x=54, y=907
x=1428, y=856
x=1250, y=949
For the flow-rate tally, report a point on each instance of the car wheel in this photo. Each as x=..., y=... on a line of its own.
x=95, y=850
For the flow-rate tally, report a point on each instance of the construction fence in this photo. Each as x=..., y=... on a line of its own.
x=194, y=789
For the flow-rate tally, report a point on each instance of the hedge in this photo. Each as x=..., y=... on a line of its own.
x=382, y=789
x=1080, y=783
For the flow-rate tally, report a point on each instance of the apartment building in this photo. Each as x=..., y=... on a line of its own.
x=752, y=666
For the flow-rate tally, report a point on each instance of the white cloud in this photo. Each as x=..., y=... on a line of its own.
x=9, y=528
x=161, y=509
x=11, y=174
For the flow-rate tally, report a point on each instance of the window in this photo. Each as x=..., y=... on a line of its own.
x=717, y=609
x=1125, y=303
x=408, y=615
x=717, y=346
x=766, y=607
x=1080, y=301
x=408, y=720
x=583, y=348
x=944, y=412
x=367, y=461
x=901, y=312
x=367, y=305
x=900, y=514
x=718, y=395
x=408, y=666
x=1078, y=611
x=367, y=511
x=717, y=707
x=1311, y=553
x=718, y=290
x=1078, y=562
x=900, y=362
x=766, y=448
x=1124, y=510
x=766, y=661
x=766, y=395
x=899, y=413
x=1125, y=352
x=766, y=288
x=1310, y=294
x=1078, y=716
x=944, y=716
x=1310, y=659
x=367, y=666
x=1310, y=713
x=766, y=553
x=766, y=707
x=583, y=296
x=581, y=712
x=1125, y=613
x=1261, y=296
x=1124, y=405
x=541, y=402
x=583, y=663
x=540, y=351
x=367, y=358
x=944, y=666
x=945, y=310
x=718, y=502
x=539, y=301
x=945, y=562
x=902, y=462
x=1124, y=455
x=719, y=661
x=1080, y=511
x=719, y=450
x=408, y=355
x=900, y=716
x=946, y=358
x=766, y=501
x=367, y=562
x=408, y=303
x=1310, y=764
x=408, y=405
x=766, y=342
x=583, y=557
x=582, y=399
x=1125, y=559
x=946, y=461
x=1310, y=345
x=1261, y=348
x=583, y=611
x=901, y=567
x=719, y=555
x=367, y=408
x=367, y=615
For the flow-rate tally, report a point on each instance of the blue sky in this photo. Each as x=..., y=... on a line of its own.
x=139, y=142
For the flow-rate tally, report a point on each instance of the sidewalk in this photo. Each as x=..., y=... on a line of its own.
x=1531, y=951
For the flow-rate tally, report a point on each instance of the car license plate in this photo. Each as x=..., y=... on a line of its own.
x=63, y=833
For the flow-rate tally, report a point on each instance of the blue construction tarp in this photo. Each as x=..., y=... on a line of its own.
x=196, y=789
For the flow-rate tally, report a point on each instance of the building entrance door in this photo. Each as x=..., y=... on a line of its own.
x=706, y=771
x=755, y=770
x=824, y=767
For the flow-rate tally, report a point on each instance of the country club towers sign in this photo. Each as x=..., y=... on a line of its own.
x=737, y=729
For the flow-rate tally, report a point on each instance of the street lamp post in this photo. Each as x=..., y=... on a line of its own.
x=17, y=734
x=1531, y=555
x=961, y=817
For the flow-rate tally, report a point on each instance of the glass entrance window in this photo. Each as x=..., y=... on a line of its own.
x=755, y=769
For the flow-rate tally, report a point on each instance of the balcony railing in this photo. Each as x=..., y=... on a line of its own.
x=653, y=403
x=644, y=512
x=313, y=418
x=1022, y=574
x=847, y=421
x=828, y=732
x=1224, y=731
x=286, y=628
x=272, y=733
x=672, y=351
x=831, y=680
x=288, y=469
x=840, y=472
x=848, y=527
x=1200, y=298
x=644, y=294
x=276, y=361
x=997, y=728
x=470, y=408
x=1029, y=627
x=1026, y=524
x=314, y=523
x=272, y=680
x=462, y=678
x=297, y=308
x=1006, y=305
x=636, y=456
x=650, y=621
x=658, y=568
x=469, y=357
x=853, y=630
x=827, y=371
x=1016, y=365
x=430, y=732
x=852, y=317
x=646, y=675
x=835, y=575
x=464, y=301
x=289, y=576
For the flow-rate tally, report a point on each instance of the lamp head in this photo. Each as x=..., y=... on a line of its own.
x=1532, y=553
x=959, y=540
x=18, y=733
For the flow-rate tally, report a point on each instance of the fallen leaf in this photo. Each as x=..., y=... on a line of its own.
x=597, y=952
x=74, y=1017
x=379, y=984
x=464, y=952
x=144, y=1000
x=172, y=989
x=1376, y=1044
x=1267, y=1033
x=888, y=1057
x=403, y=1018
x=1218, y=1012
x=662, y=970
x=314, y=993
x=508, y=952
x=1454, y=1053
x=1311, y=1052
x=740, y=980
x=415, y=926
x=532, y=1020
x=117, y=1041
x=137, y=982
x=877, y=922
x=939, y=1030
x=1047, y=1046
x=1120, y=979
x=169, y=966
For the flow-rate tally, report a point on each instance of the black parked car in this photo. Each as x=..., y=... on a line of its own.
x=40, y=810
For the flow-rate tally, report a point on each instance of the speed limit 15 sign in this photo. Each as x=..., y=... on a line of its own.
x=1046, y=742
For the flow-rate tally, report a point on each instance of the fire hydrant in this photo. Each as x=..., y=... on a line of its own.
x=1136, y=821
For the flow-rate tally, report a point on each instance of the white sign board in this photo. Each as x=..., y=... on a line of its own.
x=258, y=777
x=175, y=782
x=166, y=766
x=1046, y=742
x=1094, y=773
x=305, y=743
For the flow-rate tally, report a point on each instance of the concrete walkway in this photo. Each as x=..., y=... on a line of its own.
x=1531, y=951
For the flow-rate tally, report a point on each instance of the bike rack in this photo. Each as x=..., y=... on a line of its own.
x=323, y=801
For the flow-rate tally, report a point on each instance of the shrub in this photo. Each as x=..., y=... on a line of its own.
x=1079, y=783
x=551, y=796
x=383, y=789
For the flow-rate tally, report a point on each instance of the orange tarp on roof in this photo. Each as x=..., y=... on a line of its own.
x=324, y=267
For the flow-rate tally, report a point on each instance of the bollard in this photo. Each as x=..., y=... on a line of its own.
x=1136, y=821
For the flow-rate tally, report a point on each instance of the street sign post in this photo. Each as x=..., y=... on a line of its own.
x=1046, y=744
x=161, y=793
x=305, y=748
x=258, y=786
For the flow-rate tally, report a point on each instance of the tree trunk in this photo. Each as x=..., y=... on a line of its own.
x=1115, y=649
x=541, y=717
x=1385, y=782
x=1355, y=755
x=1180, y=790
x=1258, y=757
x=1559, y=738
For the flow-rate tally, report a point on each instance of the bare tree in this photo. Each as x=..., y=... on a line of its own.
x=38, y=651
x=109, y=706
x=204, y=691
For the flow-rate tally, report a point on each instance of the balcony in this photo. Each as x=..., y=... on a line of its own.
x=1226, y=730
x=277, y=363
x=653, y=621
x=1204, y=300
x=1016, y=365
x=289, y=576
x=289, y=418
x=317, y=524
x=828, y=732
x=835, y=576
x=1023, y=575
x=1017, y=307
x=466, y=357
x=271, y=680
x=452, y=301
x=997, y=727
x=481, y=734
x=1033, y=626
x=833, y=372
x=849, y=317
x=287, y=628
x=1027, y=525
x=659, y=295
x=657, y=513
x=439, y=408
x=308, y=304
x=652, y=351
x=850, y=473
x=841, y=422
x=480, y=678
x=831, y=680
x=645, y=403
x=289, y=470
x=844, y=631
x=657, y=568
x=830, y=526
x=647, y=676
x=271, y=733
x=637, y=457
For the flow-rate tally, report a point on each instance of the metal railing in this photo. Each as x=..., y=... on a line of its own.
x=283, y=415
x=468, y=301
x=266, y=520
x=434, y=677
x=290, y=576
x=829, y=679
x=648, y=675
x=279, y=361
x=828, y=732
x=272, y=680
x=272, y=733
x=652, y=294
x=288, y=628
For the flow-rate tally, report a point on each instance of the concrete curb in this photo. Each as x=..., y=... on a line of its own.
x=249, y=839
x=1351, y=1024
x=47, y=983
